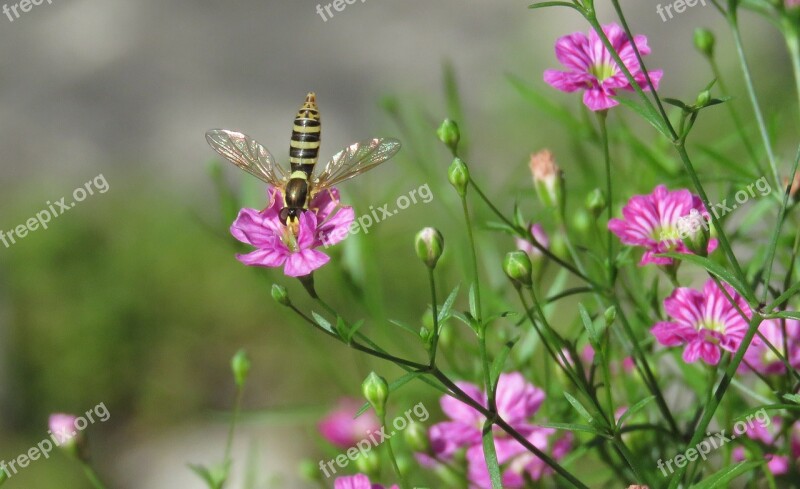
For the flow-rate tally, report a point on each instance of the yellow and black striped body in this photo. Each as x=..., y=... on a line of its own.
x=303, y=155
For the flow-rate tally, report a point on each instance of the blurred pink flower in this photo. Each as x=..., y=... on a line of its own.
x=517, y=402
x=792, y=3
x=62, y=426
x=278, y=246
x=656, y=220
x=359, y=481
x=591, y=68
x=341, y=428
x=537, y=231
x=766, y=434
x=762, y=359
x=704, y=321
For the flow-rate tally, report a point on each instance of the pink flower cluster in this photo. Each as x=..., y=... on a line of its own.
x=359, y=481
x=343, y=429
x=767, y=436
x=517, y=401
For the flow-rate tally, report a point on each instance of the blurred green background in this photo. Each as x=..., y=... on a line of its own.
x=133, y=298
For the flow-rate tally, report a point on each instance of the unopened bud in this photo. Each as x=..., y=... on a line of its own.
x=376, y=392
x=280, y=295
x=703, y=98
x=694, y=231
x=449, y=134
x=369, y=464
x=66, y=435
x=458, y=175
x=429, y=245
x=704, y=41
x=416, y=436
x=517, y=266
x=546, y=178
x=596, y=202
x=610, y=315
x=240, y=365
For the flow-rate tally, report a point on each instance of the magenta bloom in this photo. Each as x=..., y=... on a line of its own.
x=62, y=426
x=537, y=231
x=766, y=434
x=341, y=428
x=517, y=402
x=324, y=224
x=359, y=481
x=762, y=359
x=591, y=68
x=656, y=221
x=704, y=321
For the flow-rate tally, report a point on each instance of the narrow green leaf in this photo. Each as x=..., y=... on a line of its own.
x=579, y=407
x=354, y=329
x=553, y=4
x=473, y=302
x=500, y=361
x=573, y=427
x=648, y=113
x=404, y=326
x=589, y=325
x=714, y=269
x=490, y=455
x=322, y=322
x=634, y=409
x=786, y=314
x=723, y=477
x=447, y=307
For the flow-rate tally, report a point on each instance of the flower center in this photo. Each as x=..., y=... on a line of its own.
x=603, y=71
x=668, y=234
x=712, y=325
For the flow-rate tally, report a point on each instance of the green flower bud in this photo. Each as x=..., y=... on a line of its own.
x=517, y=266
x=596, y=202
x=449, y=134
x=309, y=471
x=376, y=391
x=695, y=232
x=704, y=41
x=458, y=175
x=416, y=436
x=280, y=295
x=240, y=365
x=429, y=245
x=610, y=315
x=581, y=220
x=703, y=98
x=369, y=464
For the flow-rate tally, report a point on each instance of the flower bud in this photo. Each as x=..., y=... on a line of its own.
x=66, y=435
x=309, y=471
x=369, y=464
x=458, y=175
x=695, y=233
x=610, y=315
x=449, y=134
x=416, y=436
x=429, y=244
x=704, y=41
x=596, y=202
x=376, y=391
x=703, y=98
x=426, y=335
x=517, y=266
x=280, y=295
x=546, y=178
x=240, y=365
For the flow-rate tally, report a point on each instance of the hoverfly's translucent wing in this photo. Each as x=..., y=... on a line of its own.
x=354, y=160
x=246, y=153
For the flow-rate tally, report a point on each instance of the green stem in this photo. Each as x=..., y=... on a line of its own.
x=474, y=254
x=601, y=117
x=711, y=407
x=751, y=92
x=435, y=340
x=92, y=476
x=793, y=44
x=393, y=458
x=237, y=407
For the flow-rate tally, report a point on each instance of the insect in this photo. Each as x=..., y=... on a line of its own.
x=305, y=179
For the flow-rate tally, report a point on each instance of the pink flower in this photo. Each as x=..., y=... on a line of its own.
x=704, y=321
x=792, y=3
x=656, y=221
x=277, y=246
x=591, y=68
x=359, y=481
x=517, y=400
x=762, y=359
x=766, y=434
x=341, y=428
x=537, y=231
x=62, y=426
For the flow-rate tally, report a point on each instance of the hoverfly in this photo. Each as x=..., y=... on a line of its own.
x=305, y=179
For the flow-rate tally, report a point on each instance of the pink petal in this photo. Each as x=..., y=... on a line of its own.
x=304, y=262
x=265, y=257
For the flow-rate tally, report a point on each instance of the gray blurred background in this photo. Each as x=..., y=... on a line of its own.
x=128, y=300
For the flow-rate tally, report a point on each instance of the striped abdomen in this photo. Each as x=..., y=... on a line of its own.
x=304, y=147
